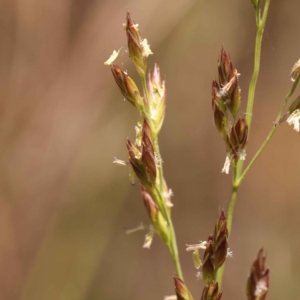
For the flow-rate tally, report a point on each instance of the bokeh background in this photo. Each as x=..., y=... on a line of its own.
x=64, y=205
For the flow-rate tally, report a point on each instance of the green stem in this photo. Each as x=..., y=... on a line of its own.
x=258, y=11
x=173, y=244
x=273, y=130
x=174, y=252
x=258, y=41
x=160, y=189
x=261, y=22
x=253, y=82
x=235, y=188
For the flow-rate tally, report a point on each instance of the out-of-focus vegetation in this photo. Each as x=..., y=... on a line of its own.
x=64, y=204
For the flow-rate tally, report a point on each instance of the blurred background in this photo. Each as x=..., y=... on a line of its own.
x=64, y=205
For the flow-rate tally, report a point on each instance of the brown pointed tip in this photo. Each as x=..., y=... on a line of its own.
x=178, y=282
x=128, y=17
x=180, y=289
x=222, y=216
x=129, y=21
x=116, y=71
x=180, y=286
x=215, y=85
x=258, y=280
x=224, y=55
x=223, y=52
x=129, y=144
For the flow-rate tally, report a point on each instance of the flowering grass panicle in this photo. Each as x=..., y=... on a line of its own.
x=145, y=158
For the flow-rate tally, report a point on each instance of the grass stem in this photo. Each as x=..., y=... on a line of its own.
x=160, y=191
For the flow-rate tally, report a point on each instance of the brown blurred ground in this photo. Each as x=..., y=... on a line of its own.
x=63, y=205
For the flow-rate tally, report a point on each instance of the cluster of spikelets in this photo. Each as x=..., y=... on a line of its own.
x=257, y=284
x=143, y=152
x=145, y=161
x=215, y=253
x=226, y=101
x=256, y=289
x=216, y=250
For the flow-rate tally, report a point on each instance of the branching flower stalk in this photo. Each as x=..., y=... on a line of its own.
x=146, y=161
x=144, y=154
x=238, y=173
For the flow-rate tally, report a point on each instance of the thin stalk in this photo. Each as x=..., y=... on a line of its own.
x=159, y=191
x=174, y=251
x=273, y=130
x=261, y=22
x=258, y=12
x=173, y=245
x=253, y=82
